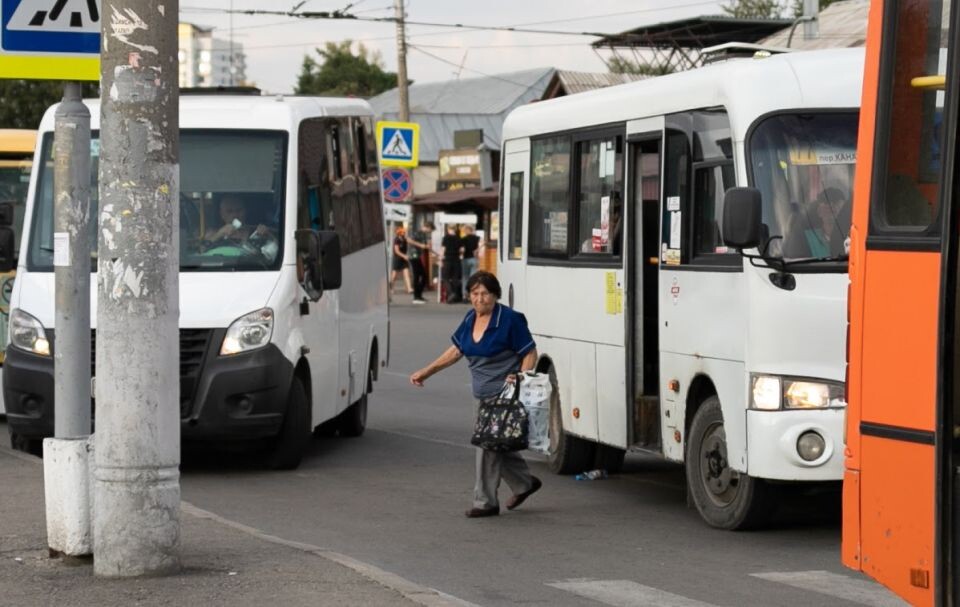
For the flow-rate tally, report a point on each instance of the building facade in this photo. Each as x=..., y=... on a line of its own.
x=206, y=61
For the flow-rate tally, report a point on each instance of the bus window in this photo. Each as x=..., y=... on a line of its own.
x=549, y=187
x=599, y=182
x=803, y=166
x=515, y=246
x=709, y=184
x=913, y=124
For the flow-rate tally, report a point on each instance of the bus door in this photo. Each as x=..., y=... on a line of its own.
x=899, y=479
x=513, y=252
x=645, y=139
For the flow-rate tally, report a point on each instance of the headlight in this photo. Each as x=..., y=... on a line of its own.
x=812, y=395
x=248, y=332
x=26, y=333
x=771, y=392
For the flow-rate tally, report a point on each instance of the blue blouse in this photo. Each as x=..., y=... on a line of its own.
x=499, y=351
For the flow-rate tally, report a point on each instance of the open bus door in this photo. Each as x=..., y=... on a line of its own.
x=899, y=482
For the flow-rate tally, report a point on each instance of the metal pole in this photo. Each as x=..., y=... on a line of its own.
x=137, y=479
x=66, y=458
x=72, y=243
x=402, y=62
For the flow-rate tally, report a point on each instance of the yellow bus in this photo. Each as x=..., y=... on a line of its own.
x=16, y=161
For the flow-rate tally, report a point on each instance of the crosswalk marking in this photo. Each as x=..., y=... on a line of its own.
x=624, y=593
x=835, y=585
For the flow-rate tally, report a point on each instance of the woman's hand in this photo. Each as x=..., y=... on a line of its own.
x=418, y=377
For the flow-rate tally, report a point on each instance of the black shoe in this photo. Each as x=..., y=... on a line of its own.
x=519, y=498
x=482, y=512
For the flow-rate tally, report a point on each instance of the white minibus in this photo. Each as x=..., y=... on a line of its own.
x=658, y=334
x=271, y=347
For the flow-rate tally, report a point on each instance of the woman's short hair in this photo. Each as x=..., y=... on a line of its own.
x=488, y=280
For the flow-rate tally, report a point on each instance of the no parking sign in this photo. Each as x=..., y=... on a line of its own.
x=397, y=185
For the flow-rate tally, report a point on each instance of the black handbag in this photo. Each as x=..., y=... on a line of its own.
x=502, y=423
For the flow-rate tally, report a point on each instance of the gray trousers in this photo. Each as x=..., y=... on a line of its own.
x=491, y=467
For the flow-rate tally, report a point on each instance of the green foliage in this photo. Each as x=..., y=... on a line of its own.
x=768, y=9
x=23, y=102
x=340, y=72
x=622, y=65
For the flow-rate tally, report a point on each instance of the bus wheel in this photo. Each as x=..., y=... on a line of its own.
x=725, y=498
x=353, y=421
x=568, y=454
x=609, y=458
x=294, y=435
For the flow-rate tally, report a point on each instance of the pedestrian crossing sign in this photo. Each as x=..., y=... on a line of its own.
x=399, y=143
x=50, y=39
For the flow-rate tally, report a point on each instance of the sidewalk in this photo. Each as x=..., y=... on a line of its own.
x=224, y=563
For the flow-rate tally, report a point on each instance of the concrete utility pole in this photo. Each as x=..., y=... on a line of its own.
x=137, y=478
x=66, y=478
x=811, y=27
x=402, y=62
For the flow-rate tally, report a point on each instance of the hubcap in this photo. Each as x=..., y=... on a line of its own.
x=719, y=479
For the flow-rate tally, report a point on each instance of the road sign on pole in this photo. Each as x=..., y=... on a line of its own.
x=397, y=185
x=52, y=39
x=399, y=143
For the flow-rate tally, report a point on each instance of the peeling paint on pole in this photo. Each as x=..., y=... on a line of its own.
x=137, y=524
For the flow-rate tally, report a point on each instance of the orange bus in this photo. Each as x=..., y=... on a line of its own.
x=900, y=486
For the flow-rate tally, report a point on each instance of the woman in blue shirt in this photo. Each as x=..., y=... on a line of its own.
x=496, y=342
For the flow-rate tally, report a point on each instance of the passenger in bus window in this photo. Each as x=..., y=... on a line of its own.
x=497, y=343
x=829, y=219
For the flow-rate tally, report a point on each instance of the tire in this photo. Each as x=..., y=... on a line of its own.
x=33, y=446
x=609, y=458
x=568, y=454
x=725, y=498
x=353, y=421
x=291, y=443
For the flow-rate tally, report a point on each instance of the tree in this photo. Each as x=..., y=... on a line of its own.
x=340, y=72
x=768, y=9
x=23, y=102
x=622, y=65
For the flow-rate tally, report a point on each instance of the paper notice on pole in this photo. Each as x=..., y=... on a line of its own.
x=61, y=249
x=675, y=230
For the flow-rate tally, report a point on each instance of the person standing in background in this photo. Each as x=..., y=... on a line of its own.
x=401, y=263
x=470, y=250
x=419, y=245
x=450, y=246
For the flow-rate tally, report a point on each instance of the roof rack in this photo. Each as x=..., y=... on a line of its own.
x=221, y=90
x=739, y=50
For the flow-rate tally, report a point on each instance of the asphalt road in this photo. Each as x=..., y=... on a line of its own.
x=395, y=498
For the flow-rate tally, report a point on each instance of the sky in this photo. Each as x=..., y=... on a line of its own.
x=275, y=45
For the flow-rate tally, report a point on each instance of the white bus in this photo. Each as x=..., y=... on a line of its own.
x=658, y=336
x=267, y=350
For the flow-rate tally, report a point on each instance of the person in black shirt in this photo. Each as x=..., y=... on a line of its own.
x=451, y=264
x=419, y=248
x=470, y=252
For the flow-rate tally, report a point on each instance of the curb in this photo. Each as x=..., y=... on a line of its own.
x=421, y=595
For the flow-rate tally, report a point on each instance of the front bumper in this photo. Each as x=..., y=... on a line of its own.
x=772, y=444
x=242, y=396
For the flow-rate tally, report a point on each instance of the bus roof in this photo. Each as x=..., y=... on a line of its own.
x=17, y=141
x=243, y=111
x=747, y=88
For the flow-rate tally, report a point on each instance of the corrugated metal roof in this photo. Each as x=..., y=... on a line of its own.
x=578, y=82
x=843, y=24
x=440, y=108
x=488, y=95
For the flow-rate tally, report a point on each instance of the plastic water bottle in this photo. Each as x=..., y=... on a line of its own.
x=593, y=475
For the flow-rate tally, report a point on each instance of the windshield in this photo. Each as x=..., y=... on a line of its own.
x=14, y=181
x=803, y=166
x=231, y=201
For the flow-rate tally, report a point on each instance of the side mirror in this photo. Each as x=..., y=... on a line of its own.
x=742, y=217
x=6, y=214
x=7, y=250
x=308, y=265
x=330, y=266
